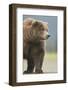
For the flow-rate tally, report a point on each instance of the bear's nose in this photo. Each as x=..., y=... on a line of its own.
x=49, y=36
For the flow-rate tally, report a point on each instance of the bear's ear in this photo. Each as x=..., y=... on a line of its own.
x=35, y=23
x=27, y=23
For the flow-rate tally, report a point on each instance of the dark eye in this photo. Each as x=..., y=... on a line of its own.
x=42, y=29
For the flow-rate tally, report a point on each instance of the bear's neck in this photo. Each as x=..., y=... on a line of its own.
x=37, y=43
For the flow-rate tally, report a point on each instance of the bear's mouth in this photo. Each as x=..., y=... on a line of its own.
x=44, y=38
x=41, y=38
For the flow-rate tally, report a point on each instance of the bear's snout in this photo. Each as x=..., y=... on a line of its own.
x=48, y=36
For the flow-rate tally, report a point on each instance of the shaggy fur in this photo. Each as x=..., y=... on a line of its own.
x=35, y=32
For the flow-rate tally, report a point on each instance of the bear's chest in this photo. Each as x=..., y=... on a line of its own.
x=33, y=49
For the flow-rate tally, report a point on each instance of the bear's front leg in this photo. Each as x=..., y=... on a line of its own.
x=30, y=66
x=39, y=62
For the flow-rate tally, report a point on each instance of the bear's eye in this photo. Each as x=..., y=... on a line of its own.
x=42, y=29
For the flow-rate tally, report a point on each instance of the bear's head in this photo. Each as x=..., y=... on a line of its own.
x=35, y=30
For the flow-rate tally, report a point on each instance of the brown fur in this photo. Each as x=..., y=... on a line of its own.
x=33, y=43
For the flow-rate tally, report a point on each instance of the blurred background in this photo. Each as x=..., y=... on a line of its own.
x=50, y=58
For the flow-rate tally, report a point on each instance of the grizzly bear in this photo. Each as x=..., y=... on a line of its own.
x=35, y=32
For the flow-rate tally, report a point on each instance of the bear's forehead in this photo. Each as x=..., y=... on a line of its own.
x=30, y=21
x=44, y=24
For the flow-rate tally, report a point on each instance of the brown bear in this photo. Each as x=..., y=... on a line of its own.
x=35, y=32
